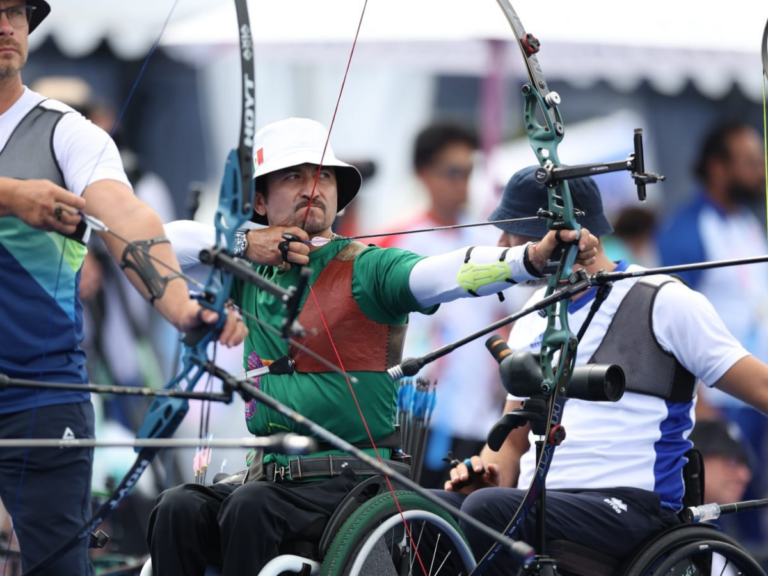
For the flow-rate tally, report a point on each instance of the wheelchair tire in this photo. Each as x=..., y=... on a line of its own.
x=378, y=521
x=689, y=550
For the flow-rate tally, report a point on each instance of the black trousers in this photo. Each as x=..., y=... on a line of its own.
x=238, y=527
x=612, y=521
x=50, y=496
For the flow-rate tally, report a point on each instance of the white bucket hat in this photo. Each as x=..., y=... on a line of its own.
x=298, y=141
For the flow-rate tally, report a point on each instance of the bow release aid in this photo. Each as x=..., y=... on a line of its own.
x=521, y=376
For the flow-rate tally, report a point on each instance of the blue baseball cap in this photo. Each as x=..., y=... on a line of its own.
x=524, y=196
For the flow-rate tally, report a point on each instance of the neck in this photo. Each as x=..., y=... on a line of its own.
x=443, y=217
x=719, y=197
x=601, y=263
x=11, y=90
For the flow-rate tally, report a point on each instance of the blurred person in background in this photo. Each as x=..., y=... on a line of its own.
x=728, y=464
x=718, y=224
x=634, y=237
x=727, y=461
x=53, y=164
x=467, y=396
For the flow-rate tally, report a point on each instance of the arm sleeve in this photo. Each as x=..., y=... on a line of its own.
x=461, y=274
x=188, y=238
x=85, y=153
x=686, y=324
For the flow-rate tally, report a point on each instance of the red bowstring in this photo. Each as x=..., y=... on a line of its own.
x=335, y=111
x=320, y=313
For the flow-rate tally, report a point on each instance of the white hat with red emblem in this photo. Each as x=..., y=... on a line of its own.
x=297, y=141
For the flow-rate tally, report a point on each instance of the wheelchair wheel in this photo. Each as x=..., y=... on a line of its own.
x=373, y=541
x=694, y=550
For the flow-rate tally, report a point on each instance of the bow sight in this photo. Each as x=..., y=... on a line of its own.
x=550, y=175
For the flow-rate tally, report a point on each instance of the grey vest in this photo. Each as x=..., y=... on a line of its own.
x=631, y=343
x=29, y=155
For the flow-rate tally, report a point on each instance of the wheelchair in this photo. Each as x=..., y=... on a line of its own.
x=366, y=536
x=686, y=549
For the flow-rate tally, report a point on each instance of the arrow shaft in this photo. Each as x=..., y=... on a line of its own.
x=294, y=441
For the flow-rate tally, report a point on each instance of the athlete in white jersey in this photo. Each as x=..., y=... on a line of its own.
x=617, y=477
x=54, y=163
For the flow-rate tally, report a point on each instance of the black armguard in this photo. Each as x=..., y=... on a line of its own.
x=136, y=257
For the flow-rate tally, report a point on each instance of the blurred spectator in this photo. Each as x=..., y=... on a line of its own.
x=727, y=472
x=633, y=238
x=717, y=224
x=468, y=390
x=727, y=463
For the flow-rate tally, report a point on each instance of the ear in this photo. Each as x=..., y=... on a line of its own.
x=260, y=204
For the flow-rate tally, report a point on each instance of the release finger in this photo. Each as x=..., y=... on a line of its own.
x=298, y=232
x=477, y=464
x=51, y=224
x=227, y=335
x=298, y=254
x=67, y=198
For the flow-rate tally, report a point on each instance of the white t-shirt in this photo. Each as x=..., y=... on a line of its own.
x=85, y=153
x=638, y=441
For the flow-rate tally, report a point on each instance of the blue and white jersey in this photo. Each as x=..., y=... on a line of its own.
x=41, y=313
x=639, y=441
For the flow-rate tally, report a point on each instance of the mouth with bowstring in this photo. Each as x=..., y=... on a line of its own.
x=315, y=204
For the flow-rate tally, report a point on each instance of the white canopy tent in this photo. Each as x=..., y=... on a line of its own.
x=302, y=47
x=712, y=44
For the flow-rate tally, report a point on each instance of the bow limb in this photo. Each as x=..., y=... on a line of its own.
x=559, y=343
x=764, y=58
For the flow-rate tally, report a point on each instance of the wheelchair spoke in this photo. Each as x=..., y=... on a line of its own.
x=443, y=562
x=434, y=553
x=418, y=542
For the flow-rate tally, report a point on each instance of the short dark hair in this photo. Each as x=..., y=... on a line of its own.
x=716, y=146
x=433, y=139
x=261, y=185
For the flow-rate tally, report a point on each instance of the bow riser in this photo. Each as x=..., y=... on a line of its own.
x=544, y=140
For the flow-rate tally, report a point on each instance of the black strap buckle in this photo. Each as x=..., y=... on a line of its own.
x=279, y=474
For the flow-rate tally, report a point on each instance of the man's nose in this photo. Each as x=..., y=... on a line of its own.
x=5, y=24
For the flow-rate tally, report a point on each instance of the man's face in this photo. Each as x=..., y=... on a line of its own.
x=13, y=41
x=745, y=167
x=447, y=178
x=726, y=479
x=288, y=193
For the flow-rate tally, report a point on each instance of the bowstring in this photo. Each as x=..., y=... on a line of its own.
x=314, y=297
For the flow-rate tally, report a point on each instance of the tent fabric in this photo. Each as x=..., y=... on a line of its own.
x=666, y=43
